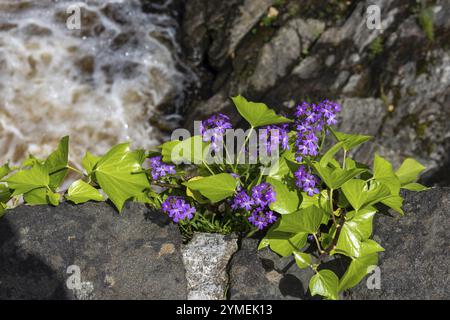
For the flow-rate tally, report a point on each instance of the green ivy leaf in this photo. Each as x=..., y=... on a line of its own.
x=383, y=172
x=354, y=231
x=26, y=180
x=56, y=163
x=357, y=270
x=357, y=193
x=279, y=170
x=81, y=192
x=42, y=196
x=305, y=220
x=120, y=175
x=334, y=178
x=36, y=196
x=350, y=140
x=302, y=259
x=5, y=193
x=324, y=283
x=409, y=171
x=53, y=198
x=328, y=156
x=216, y=187
x=284, y=243
x=192, y=150
x=287, y=201
x=395, y=203
x=89, y=162
x=414, y=186
x=4, y=170
x=370, y=246
x=257, y=114
x=2, y=209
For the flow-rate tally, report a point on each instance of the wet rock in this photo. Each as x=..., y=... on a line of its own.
x=415, y=263
x=206, y=259
x=134, y=255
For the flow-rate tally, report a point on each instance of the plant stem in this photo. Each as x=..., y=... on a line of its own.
x=330, y=196
x=75, y=170
x=242, y=147
x=338, y=233
x=343, y=161
x=318, y=244
x=209, y=169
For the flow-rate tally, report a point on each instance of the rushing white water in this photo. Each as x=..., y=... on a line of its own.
x=100, y=84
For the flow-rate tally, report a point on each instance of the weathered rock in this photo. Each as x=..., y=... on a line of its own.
x=206, y=259
x=135, y=255
x=415, y=264
x=401, y=74
x=263, y=275
x=284, y=49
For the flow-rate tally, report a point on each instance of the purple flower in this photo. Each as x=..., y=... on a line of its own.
x=274, y=137
x=213, y=129
x=306, y=181
x=311, y=119
x=242, y=201
x=178, y=209
x=263, y=194
x=160, y=169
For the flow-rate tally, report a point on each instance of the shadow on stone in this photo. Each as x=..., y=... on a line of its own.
x=24, y=275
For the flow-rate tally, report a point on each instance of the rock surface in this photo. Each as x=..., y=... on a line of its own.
x=398, y=76
x=265, y=276
x=414, y=265
x=135, y=255
x=206, y=259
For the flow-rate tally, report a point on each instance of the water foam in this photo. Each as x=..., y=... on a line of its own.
x=100, y=84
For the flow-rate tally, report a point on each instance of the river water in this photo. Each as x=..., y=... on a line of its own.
x=99, y=82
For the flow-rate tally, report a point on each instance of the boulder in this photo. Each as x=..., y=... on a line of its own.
x=206, y=258
x=414, y=265
x=89, y=251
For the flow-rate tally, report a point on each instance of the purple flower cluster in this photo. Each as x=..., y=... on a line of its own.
x=306, y=181
x=178, y=209
x=274, y=137
x=311, y=119
x=160, y=169
x=262, y=196
x=213, y=129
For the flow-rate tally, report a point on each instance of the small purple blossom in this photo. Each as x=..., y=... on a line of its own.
x=213, y=129
x=160, y=169
x=306, y=181
x=242, y=201
x=311, y=119
x=263, y=194
x=274, y=137
x=178, y=209
x=257, y=204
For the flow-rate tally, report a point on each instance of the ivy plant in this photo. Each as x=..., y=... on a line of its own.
x=299, y=188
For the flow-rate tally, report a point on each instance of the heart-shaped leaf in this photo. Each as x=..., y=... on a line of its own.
x=216, y=187
x=81, y=192
x=120, y=175
x=257, y=114
x=324, y=283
